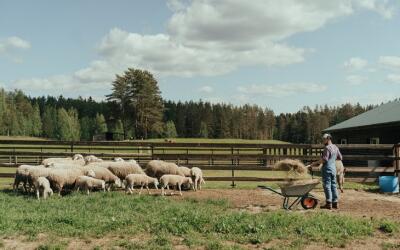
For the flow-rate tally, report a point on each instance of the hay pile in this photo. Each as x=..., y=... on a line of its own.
x=289, y=165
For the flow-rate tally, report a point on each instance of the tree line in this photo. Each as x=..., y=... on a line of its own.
x=135, y=110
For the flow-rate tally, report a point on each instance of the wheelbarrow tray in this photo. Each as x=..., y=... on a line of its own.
x=300, y=190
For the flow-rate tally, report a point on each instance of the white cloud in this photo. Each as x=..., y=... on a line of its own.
x=207, y=38
x=355, y=63
x=13, y=42
x=281, y=90
x=356, y=79
x=379, y=6
x=393, y=78
x=390, y=61
x=206, y=89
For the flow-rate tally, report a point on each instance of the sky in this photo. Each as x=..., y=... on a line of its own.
x=283, y=54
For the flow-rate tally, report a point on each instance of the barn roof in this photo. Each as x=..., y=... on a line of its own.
x=385, y=113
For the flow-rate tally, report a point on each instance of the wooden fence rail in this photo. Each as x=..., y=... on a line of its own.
x=233, y=157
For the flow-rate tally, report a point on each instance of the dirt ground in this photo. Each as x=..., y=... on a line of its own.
x=352, y=202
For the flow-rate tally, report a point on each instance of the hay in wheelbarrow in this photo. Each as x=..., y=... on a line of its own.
x=291, y=166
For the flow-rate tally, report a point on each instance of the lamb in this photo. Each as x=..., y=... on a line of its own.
x=88, y=183
x=175, y=180
x=66, y=177
x=35, y=173
x=76, y=159
x=158, y=168
x=197, y=177
x=105, y=175
x=42, y=186
x=120, y=169
x=139, y=179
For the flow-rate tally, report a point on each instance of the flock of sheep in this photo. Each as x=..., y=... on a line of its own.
x=88, y=173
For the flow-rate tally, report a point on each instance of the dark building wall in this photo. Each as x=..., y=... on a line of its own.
x=387, y=134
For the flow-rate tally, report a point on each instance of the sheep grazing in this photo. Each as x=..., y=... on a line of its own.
x=42, y=186
x=35, y=173
x=22, y=175
x=186, y=171
x=141, y=180
x=59, y=178
x=91, y=158
x=158, y=168
x=76, y=159
x=120, y=169
x=174, y=180
x=87, y=184
x=197, y=177
x=105, y=175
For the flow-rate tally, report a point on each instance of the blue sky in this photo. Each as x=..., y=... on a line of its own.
x=277, y=54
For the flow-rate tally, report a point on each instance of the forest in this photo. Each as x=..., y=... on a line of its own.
x=135, y=109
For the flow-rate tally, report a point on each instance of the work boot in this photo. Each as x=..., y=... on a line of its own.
x=335, y=205
x=328, y=205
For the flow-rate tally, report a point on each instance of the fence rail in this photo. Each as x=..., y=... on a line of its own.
x=232, y=157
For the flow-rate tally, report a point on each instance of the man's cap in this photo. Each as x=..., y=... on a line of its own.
x=327, y=136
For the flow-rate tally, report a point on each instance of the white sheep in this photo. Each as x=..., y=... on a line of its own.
x=66, y=177
x=21, y=175
x=91, y=158
x=186, y=171
x=120, y=169
x=158, y=168
x=77, y=159
x=174, y=180
x=141, y=180
x=42, y=186
x=197, y=177
x=118, y=159
x=35, y=173
x=105, y=175
x=87, y=183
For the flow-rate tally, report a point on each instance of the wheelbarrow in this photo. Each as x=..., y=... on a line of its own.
x=300, y=191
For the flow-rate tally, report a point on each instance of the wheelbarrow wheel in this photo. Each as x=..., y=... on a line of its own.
x=309, y=202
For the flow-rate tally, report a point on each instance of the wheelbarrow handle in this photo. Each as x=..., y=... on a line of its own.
x=270, y=189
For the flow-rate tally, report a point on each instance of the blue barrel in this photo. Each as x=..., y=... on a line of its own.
x=389, y=184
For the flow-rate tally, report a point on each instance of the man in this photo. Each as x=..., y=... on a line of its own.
x=329, y=156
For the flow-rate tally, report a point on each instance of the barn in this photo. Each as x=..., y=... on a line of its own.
x=380, y=125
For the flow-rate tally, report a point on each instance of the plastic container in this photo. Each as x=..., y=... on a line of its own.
x=389, y=184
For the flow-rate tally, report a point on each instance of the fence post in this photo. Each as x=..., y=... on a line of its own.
x=396, y=163
x=72, y=147
x=264, y=161
x=152, y=152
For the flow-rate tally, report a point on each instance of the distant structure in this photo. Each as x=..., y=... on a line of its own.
x=380, y=125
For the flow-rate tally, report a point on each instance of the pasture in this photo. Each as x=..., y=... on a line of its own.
x=209, y=219
x=217, y=217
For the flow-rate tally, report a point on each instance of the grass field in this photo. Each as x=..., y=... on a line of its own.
x=154, y=222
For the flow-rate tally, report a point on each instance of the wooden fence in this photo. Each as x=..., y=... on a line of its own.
x=364, y=163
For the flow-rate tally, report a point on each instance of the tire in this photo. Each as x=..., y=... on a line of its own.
x=308, y=202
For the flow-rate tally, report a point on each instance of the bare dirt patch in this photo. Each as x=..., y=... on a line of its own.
x=352, y=202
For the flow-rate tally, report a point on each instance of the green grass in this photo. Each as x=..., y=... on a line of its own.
x=210, y=223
